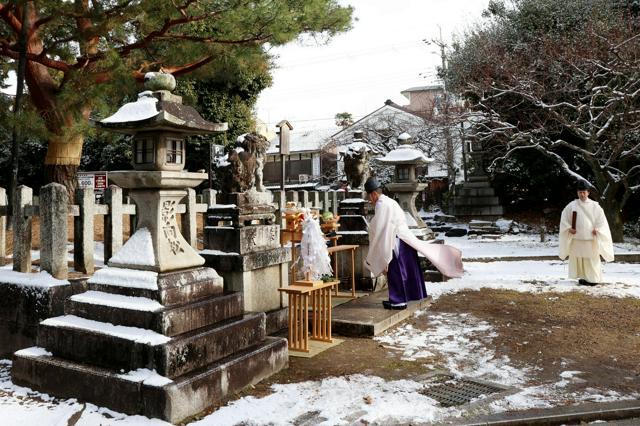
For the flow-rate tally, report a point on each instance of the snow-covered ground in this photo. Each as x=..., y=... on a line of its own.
x=463, y=340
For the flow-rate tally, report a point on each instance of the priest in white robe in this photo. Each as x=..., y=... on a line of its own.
x=585, y=237
x=393, y=251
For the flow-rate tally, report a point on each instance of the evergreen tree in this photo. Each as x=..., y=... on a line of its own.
x=83, y=55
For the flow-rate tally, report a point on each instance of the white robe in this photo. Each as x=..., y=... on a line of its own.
x=583, y=248
x=388, y=222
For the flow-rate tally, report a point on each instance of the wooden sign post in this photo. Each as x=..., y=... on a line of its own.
x=284, y=127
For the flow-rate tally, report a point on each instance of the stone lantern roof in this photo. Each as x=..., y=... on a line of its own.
x=159, y=110
x=405, y=153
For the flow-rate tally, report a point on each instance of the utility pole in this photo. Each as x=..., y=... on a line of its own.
x=449, y=149
x=17, y=106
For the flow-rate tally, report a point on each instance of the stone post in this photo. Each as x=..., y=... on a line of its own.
x=3, y=224
x=83, y=225
x=280, y=198
x=54, y=209
x=334, y=202
x=113, y=222
x=326, y=206
x=209, y=197
x=189, y=224
x=303, y=197
x=22, y=230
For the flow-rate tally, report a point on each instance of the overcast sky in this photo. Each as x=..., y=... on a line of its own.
x=357, y=71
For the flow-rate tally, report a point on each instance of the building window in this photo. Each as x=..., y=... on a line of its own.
x=144, y=151
x=174, y=151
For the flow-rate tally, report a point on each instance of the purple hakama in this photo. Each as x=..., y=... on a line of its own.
x=404, y=277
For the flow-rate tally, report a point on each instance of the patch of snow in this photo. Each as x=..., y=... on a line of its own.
x=224, y=206
x=355, y=399
x=353, y=200
x=138, y=250
x=135, y=334
x=121, y=277
x=621, y=279
x=40, y=279
x=142, y=109
x=34, y=351
x=405, y=154
x=146, y=376
x=464, y=342
x=218, y=253
x=117, y=301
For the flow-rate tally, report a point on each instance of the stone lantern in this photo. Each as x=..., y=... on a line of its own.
x=159, y=124
x=405, y=185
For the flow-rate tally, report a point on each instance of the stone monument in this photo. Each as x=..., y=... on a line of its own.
x=477, y=199
x=405, y=186
x=155, y=334
x=242, y=239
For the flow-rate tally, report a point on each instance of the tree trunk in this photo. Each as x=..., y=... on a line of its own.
x=613, y=211
x=62, y=161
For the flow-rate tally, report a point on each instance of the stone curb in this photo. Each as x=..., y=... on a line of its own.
x=618, y=410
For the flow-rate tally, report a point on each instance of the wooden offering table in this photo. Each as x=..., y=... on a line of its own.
x=299, y=304
x=333, y=251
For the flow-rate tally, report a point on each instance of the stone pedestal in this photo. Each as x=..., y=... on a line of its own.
x=182, y=325
x=354, y=230
x=406, y=194
x=248, y=254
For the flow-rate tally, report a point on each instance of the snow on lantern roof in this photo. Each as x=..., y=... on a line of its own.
x=159, y=110
x=405, y=155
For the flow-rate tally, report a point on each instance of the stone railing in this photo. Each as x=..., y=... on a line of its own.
x=53, y=209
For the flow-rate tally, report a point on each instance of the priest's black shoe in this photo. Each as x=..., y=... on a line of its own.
x=585, y=282
x=396, y=306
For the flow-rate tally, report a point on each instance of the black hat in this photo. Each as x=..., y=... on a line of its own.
x=371, y=185
x=583, y=185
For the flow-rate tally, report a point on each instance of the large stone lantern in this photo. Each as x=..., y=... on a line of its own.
x=159, y=124
x=405, y=185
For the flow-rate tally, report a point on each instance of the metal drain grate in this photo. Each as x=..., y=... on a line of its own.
x=450, y=391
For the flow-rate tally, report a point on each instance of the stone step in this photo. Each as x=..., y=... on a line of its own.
x=169, y=288
x=478, y=184
x=478, y=211
x=129, y=348
x=146, y=313
x=476, y=192
x=158, y=397
x=476, y=201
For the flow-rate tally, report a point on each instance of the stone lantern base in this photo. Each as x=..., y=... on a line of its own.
x=165, y=345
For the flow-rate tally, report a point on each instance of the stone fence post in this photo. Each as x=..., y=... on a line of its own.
x=54, y=209
x=189, y=223
x=334, y=202
x=280, y=200
x=209, y=197
x=3, y=224
x=83, y=244
x=326, y=205
x=22, y=229
x=113, y=222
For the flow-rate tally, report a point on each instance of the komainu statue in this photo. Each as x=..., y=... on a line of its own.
x=240, y=168
x=356, y=164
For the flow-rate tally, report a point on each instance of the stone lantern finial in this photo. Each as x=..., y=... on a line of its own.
x=405, y=139
x=155, y=81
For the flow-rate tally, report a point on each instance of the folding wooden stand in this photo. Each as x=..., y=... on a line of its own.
x=299, y=294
